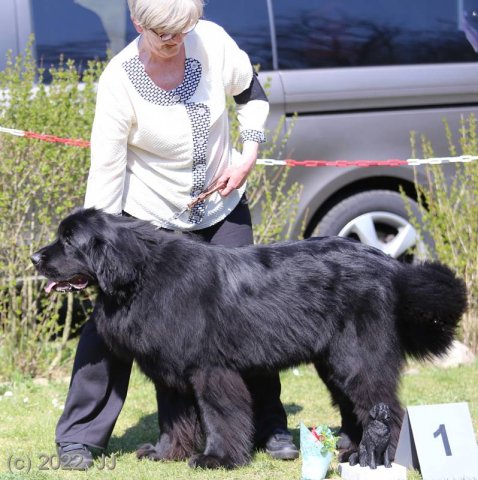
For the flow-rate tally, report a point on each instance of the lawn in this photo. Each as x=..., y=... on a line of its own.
x=29, y=413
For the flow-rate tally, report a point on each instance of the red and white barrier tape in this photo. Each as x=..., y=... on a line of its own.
x=74, y=142
x=78, y=142
x=368, y=163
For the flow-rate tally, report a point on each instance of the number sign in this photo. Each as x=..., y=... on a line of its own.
x=439, y=441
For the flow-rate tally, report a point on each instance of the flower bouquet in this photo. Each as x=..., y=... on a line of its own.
x=317, y=448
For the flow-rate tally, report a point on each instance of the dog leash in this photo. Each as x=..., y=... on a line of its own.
x=208, y=191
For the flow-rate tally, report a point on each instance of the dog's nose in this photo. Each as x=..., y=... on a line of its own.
x=36, y=258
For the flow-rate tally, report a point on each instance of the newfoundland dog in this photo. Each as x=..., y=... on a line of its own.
x=198, y=319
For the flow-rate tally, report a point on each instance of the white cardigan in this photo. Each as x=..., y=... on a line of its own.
x=153, y=150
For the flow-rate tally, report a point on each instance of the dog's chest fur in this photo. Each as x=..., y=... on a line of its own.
x=377, y=435
x=123, y=330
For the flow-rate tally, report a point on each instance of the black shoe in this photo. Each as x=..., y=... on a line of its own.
x=74, y=456
x=281, y=447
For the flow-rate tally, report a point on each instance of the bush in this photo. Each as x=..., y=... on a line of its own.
x=41, y=182
x=449, y=210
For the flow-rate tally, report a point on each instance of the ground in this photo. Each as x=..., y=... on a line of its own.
x=29, y=410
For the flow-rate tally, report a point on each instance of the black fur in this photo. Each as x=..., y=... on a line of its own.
x=375, y=444
x=199, y=318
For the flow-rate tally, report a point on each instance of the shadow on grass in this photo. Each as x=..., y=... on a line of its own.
x=292, y=408
x=145, y=431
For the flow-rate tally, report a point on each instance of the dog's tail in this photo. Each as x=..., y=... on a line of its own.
x=431, y=302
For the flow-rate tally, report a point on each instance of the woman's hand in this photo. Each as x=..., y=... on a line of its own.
x=234, y=176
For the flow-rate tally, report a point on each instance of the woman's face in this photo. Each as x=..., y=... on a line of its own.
x=163, y=49
x=156, y=46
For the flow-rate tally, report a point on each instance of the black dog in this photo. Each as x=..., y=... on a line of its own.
x=374, y=447
x=199, y=318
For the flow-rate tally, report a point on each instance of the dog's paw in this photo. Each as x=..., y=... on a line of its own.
x=344, y=442
x=364, y=461
x=148, y=451
x=344, y=455
x=208, y=461
x=353, y=459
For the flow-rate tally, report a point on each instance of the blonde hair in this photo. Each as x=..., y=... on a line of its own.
x=170, y=16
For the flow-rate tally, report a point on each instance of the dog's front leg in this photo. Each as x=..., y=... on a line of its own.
x=371, y=458
x=226, y=415
x=179, y=427
x=363, y=455
x=386, y=458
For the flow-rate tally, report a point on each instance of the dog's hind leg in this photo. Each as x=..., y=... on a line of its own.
x=351, y=429
x=226, y=415
x=371, y=384
x=179, y=426
x=377, y=382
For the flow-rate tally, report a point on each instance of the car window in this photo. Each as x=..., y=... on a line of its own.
x=345, y=33
x=79, y=29
x=86, y=29
x=247, y=22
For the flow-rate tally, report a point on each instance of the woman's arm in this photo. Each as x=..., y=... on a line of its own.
x=252, y=111
x=240, y=81
x=109, y=137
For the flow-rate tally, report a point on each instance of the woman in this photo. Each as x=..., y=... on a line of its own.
x=160, y=139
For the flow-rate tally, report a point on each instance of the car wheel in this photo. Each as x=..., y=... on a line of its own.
x=378, y=218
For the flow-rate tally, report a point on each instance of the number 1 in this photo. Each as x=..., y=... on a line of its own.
x=446, y=444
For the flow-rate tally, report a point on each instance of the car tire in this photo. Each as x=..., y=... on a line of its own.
x=378, y=218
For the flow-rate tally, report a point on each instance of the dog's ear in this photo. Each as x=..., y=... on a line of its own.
x=117, y=261
x=374, y=411
x=113, y=269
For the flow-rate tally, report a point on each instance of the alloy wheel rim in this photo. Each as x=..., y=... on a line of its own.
x=390, y=233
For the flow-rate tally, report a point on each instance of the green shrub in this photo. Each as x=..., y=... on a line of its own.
x=39, y=184
x=42, y=182
x=449, y=210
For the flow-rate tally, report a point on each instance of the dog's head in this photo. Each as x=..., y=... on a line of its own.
x=380, y=412
x=92, y=247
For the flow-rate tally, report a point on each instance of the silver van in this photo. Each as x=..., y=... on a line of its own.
x=360, y=74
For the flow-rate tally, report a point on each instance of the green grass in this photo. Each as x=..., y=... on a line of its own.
x=28, y=418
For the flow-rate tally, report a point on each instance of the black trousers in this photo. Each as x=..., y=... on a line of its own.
x=99, y=382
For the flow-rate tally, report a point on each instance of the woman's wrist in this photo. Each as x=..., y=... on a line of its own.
x=250, y=151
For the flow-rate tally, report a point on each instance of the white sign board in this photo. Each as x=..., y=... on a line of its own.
x=439, y=441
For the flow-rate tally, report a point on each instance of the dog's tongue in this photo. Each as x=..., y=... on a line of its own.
x=50, y=286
